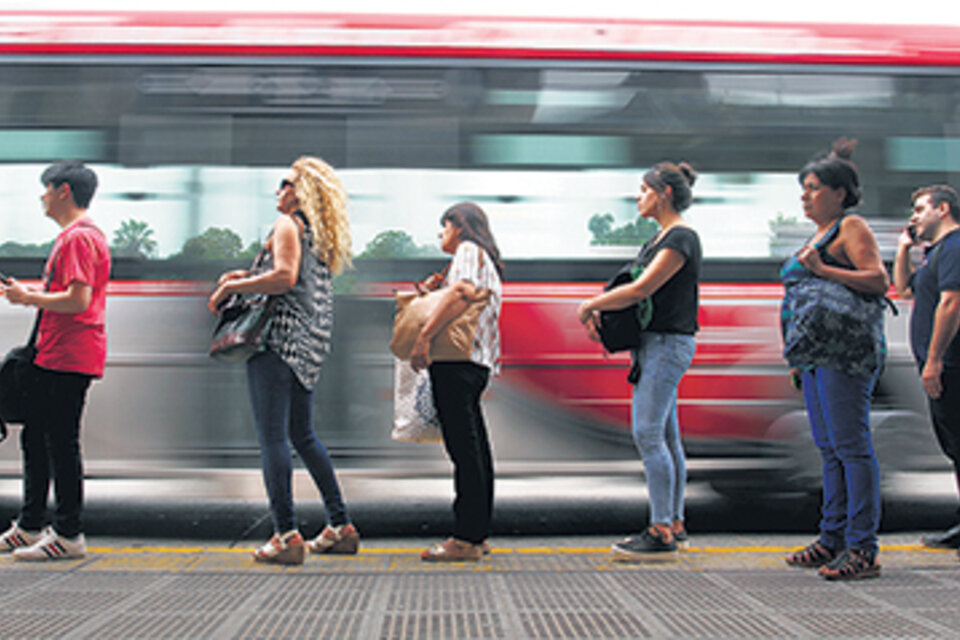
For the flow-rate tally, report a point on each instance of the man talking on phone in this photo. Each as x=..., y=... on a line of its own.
x=934, y=287
x=71, y=351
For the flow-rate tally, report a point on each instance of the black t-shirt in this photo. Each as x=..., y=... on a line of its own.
x=940, y=271
x=675, y=303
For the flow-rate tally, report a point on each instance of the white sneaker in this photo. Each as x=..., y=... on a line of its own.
x=17, y=538
x=53, y=547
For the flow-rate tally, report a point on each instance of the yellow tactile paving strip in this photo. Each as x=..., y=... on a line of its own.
x=400, y=559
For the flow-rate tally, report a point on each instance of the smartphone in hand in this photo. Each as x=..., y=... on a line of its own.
x=912, y=232
x=796, y=380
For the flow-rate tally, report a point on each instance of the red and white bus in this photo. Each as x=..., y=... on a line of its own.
x=190, y=120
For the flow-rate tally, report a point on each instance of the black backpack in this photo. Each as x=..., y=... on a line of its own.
x=621, y=329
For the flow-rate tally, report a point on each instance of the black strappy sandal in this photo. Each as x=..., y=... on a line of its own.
x=852, y=564
x=812, y=556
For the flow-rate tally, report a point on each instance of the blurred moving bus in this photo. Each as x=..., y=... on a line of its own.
x=190, y=121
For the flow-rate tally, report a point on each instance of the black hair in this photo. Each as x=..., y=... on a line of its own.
x=679, y=177
x=940, y=193
x=82, y=180
x=473, y=225
x=836, y=170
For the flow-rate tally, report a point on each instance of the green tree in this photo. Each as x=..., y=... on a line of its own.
x=134, y=240
x=600, y=226
x=396, y=244
x=633, y=233
x=212, y=244
x=19, y=250
x=252, y=250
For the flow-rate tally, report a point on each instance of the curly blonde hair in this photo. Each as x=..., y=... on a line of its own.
x=324, y=201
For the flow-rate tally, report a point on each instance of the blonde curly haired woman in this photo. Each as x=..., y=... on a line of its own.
x=309, y=243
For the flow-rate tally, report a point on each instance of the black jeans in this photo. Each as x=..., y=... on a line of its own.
x=457, y=387
x=50, y=441
x=945, y=413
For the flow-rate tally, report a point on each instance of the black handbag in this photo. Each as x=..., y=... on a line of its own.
x=621, y=329
x=243, y=322
x=15, y=372
x=242, y=327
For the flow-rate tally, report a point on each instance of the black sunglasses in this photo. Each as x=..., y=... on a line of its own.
x=284, y=184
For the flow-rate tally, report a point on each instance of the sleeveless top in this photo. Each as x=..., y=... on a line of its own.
x=302, y=323
x=793, y=271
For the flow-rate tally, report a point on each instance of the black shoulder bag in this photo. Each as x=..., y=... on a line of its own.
x=621, y=329
x=14, y=375
x=243, y=323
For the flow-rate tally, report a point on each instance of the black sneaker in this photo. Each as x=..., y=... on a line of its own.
x=649, y=546
x=682, y=538
x=949, y=539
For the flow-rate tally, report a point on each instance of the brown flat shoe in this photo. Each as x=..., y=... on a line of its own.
x=453, y=550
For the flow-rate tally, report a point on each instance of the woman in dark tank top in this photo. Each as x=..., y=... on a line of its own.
x=837, y=391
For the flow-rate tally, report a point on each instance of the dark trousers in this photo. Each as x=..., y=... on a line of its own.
x=457, y=387
x=945, y=414
x=50, y=442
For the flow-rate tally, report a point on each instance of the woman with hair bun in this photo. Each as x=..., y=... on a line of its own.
x=839, y=365
x=309, y=243
x=670, y=263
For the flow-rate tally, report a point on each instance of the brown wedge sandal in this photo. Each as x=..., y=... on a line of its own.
x=344, y=539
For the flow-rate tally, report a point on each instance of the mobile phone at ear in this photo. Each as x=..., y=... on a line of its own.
x=912, y=232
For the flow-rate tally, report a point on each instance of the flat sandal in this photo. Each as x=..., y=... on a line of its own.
x=812, y=556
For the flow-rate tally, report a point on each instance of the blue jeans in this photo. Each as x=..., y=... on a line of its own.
x=282, y=413
x=663, y=358
x=838, y=406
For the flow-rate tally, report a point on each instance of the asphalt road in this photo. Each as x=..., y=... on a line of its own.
x=232, y=506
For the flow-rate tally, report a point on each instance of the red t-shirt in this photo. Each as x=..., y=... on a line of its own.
x=77, y=342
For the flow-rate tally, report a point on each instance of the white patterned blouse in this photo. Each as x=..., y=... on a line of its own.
x=473, y=264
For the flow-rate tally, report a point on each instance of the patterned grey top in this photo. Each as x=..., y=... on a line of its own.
x=302, y=324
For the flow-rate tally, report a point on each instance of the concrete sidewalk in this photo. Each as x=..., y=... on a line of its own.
x=725, y=586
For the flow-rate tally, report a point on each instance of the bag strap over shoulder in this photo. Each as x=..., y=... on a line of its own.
x=34, y=332
x=828, y=238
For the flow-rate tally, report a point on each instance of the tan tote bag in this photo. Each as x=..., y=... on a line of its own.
x=455, y=340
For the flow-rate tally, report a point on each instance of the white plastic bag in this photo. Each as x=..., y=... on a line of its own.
x=414, y=414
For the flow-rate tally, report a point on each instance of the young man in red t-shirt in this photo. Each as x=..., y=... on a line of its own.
x=71, y=351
